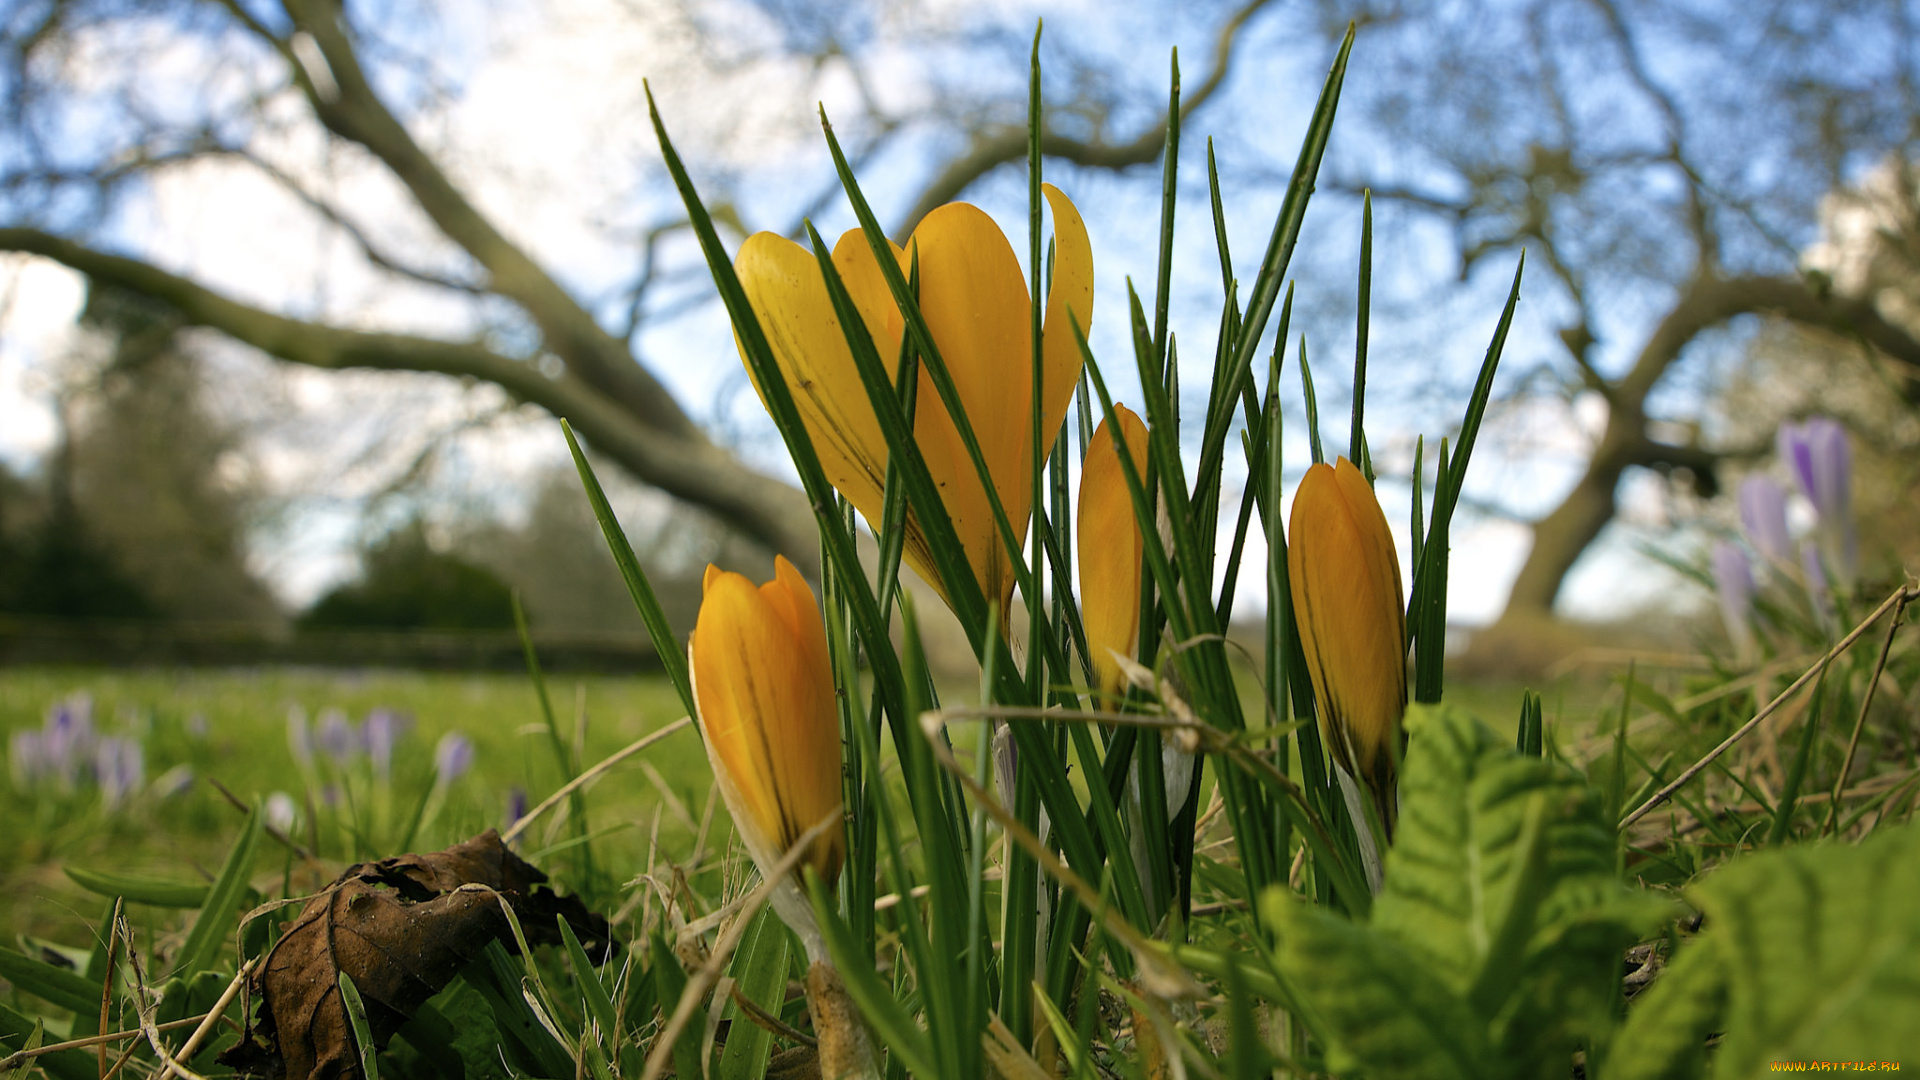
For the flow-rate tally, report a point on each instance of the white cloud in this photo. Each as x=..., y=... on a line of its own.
x=39, y=301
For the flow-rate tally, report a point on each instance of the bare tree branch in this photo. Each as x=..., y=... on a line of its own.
x=998, y=146
x=686, y=465
x=1567, y=531
x=355, y=112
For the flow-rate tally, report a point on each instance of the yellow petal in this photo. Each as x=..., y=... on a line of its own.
x=1069, y=301
x=783, y=283
x=766, y=707
x=974, y=299
x=853, y=258
x=1347, y=601
x=975, y=304
x=1109, y=545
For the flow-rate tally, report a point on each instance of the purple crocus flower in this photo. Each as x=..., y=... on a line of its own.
x=67, y=740
x=379, y=733
x=336, y=736
x=1822, y=461
x=452, y=757
x=1763, y=517
x=1733, y=578
x=516, y=805
x=120, y=767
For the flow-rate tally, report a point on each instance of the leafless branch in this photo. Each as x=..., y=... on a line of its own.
x=1006, y=143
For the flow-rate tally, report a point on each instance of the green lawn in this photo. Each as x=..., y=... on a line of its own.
x=199, y=727
x=231, y=727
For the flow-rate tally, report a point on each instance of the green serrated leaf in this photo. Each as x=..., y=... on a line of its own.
x=1665, y=1036
x=1457, y=858
x=1384, y=1010
x=1821, y=952
x=1502, y=879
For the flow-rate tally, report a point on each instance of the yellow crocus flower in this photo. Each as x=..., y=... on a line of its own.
x=763, y=685
x=975, y=302
x=1109, y=544
x=1347, y=602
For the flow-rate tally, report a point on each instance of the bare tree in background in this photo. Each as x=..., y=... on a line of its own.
x=281, y=70
x=1663, y=165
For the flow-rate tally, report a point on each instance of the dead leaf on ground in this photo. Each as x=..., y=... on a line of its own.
x=402, y=928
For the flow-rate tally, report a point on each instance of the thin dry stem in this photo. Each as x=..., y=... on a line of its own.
x=1860, y=722
x=709, y=973
x=592, y=774
x=1899, y=598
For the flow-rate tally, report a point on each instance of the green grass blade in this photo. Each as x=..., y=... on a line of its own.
x=53, y=985
x=840, y=549
x=1169, y=188
x=216, y=921
x=1797, y=771
x=17, y=1032
x=1427, y=619
x=1482, y=391
x=759, y=970
x=599, y=1003
x=1219, y=225
x=1356, y=446
x=1262, y=440
x=904, y=456
x=1312, y=403
x=356, y=1010
x=1419, y=526
x=1036, y=611
x=670, y=983
x=154, y=892
x=1428, y=594
x=673, y=657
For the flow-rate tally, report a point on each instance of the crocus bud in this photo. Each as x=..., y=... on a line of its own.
x=1818, y=453
x=1347, y=602
x=1763, y=517
x=1109, y=546
x=452, y=757
x=1733, y=580
x=336, y=736
x=764, y=688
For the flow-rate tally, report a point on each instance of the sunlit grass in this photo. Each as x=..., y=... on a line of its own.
x=231, y=727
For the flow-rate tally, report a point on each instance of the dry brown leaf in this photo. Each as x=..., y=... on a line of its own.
x=402, y=928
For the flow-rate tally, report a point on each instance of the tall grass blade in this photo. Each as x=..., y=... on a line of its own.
x=666, y=645
x=214, y=926
x=1356, y=445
